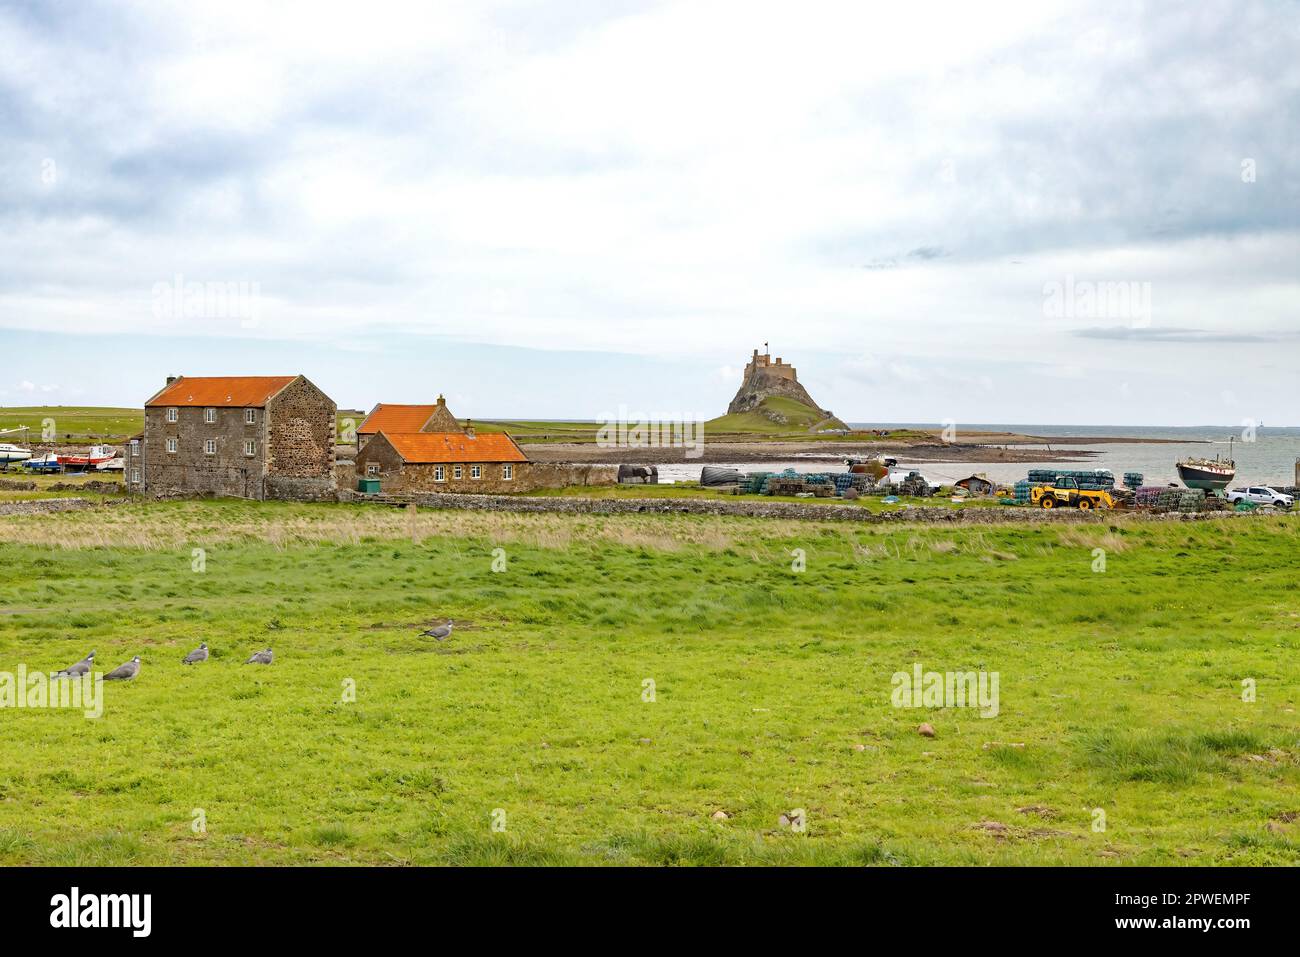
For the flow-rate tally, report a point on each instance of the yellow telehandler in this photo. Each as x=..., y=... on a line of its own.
x=1065, y=493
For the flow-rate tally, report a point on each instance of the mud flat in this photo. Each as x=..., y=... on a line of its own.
x=783, y=451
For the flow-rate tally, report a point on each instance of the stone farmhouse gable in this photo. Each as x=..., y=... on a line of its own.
x=395, y=419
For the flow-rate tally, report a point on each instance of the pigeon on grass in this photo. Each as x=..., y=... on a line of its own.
x=82, y=667
x=125, y=672
x=198, y=654
x=261, y=658
x=440, y=633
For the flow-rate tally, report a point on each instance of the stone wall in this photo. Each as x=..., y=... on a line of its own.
x=442, y=419
x=564, y=474
x=190, y=470
x=289, y=488
x=422, y=477
x=45, y=506
x=757, y=508
x=398, y=477
x=301, y=419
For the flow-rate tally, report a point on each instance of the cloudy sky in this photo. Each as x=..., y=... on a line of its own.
x=1051, y=213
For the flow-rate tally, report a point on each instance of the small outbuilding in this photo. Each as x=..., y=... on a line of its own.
x=976, y=485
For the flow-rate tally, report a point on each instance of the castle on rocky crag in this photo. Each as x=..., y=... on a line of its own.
x=766, y=377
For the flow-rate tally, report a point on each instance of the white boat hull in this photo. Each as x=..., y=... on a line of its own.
x=9, y=454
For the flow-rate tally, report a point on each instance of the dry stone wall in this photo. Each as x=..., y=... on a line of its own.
x=928, y=515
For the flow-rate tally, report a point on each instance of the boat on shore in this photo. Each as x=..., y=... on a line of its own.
x=49, y=462
x=1212, y=475
x=79, y=461
x=12, y=454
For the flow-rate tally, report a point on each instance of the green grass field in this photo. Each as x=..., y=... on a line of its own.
x=71, y=424
x=81, y=425
x=1119, y=690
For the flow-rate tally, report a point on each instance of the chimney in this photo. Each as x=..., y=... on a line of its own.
x=172, y=378
x=469, y=428
x=442, y=401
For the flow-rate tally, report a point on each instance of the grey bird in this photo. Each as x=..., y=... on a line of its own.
x=198, y=654
x=125, y=672
x=80, y=668
x=261, y=658
x=441, y=633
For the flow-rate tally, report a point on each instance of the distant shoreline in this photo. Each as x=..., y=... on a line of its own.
x=783, y=451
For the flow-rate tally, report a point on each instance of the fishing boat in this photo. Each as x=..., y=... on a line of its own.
x=77, y=461
x=1213, y=475
x=11, y=454
x=48, y=462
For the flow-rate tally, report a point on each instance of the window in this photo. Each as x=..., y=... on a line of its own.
x=135, y=476
x=476, y=471
x=171, y=445
x=172, y=415
x=507, y=472
x=458, y=472
x=250, y=447
x=209, y=446
x=439, y=473
x=135, y=446
x=250, y=417
x=372, y=469
x=209, y=416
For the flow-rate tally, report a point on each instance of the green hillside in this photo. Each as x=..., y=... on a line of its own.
x=775, y=414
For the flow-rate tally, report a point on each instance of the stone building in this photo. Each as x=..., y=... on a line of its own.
x=421, y=462
x=394, y=419
x=253, y=437
x=443, y=462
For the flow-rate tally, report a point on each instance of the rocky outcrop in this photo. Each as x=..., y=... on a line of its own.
x=766, y=378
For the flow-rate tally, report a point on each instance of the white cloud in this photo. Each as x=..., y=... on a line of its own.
x=678, y=181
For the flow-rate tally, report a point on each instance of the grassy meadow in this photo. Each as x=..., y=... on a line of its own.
x=1120, y=690
x=71, y=424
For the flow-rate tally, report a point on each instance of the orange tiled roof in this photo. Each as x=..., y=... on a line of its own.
x=386, y=417
x=421, y=447
x=232, y=390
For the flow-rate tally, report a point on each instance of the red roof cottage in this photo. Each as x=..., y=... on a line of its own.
x=444, y=462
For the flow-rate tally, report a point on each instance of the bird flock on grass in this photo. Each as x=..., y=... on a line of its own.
x=127, y=671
